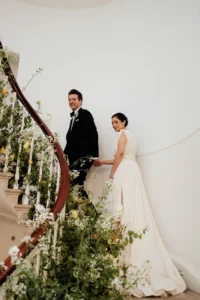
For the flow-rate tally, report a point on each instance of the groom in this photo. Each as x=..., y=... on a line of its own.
x=82, y=138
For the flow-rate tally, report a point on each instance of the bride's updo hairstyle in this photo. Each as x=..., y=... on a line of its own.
x=121, y=117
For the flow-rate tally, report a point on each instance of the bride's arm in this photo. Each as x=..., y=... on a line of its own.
x=107, y=161
x=120, y=153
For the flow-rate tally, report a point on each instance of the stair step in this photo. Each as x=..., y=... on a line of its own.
x=4, y=177
x=22, y=212
x=12, y=195
x=11, y=234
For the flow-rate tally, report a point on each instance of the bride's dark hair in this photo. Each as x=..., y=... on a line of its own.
x=121, y=117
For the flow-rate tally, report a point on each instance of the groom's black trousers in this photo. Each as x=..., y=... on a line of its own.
x=83, y=170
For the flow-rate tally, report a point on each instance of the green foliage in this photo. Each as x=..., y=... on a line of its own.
x=12, y=135
x=85, y=260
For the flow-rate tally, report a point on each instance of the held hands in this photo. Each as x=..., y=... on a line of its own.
x=98, y=162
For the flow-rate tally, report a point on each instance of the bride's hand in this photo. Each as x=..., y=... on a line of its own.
x=111, y=176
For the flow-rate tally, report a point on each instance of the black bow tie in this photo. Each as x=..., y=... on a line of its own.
x=72, y=114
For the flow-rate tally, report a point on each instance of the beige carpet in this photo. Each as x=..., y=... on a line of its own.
x=188, y=295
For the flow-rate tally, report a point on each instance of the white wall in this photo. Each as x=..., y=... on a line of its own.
x=139, y=57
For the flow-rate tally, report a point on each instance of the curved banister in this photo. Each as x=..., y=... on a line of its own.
x=64, y=185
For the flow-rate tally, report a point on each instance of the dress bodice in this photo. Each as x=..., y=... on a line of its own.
x=131, y=145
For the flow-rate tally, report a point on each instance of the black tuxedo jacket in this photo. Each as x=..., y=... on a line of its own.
x=82, y=140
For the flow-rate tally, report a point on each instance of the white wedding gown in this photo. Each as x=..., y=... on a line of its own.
x=129, y=193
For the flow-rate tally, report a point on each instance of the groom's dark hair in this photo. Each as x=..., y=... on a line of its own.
x=73, y=91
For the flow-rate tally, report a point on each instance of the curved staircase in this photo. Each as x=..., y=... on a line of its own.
x=33, y=169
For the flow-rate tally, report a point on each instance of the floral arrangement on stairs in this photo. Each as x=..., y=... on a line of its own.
x=84, y=263
x=25, y=153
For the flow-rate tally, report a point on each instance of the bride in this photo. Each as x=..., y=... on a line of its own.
x=129, y=195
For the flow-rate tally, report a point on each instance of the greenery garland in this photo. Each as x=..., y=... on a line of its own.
x=12, y=132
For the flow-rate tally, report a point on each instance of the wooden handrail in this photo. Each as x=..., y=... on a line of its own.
x=64, y=185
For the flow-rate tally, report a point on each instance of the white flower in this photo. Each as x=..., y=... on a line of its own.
x=50, y=217
x=27, y=239
x=116, y=281
x=134, y=277
x=74, y=174
x=43, y=247
x=42, y=217
x=16, y=260
x=15, y=255
x=40, y=208
x=29, y=223
x=20, y=289
x=2, y=265
x=14, y=251
x=42, y=214
x=45, y=216
x=43, y=243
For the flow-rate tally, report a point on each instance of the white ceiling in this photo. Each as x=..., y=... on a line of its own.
x=67, y=4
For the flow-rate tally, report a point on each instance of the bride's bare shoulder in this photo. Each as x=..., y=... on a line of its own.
x=125, y=131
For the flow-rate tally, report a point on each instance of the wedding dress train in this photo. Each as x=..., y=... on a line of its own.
x=129, y=193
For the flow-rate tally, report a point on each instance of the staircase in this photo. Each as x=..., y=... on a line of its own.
x=33, y=169
x=11, y=215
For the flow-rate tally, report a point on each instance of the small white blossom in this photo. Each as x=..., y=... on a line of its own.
x=134, y=277
x=50, y=217
x=14, y=251
x=40, y=208
x=80, y=223
x=42, y=214
x=20, y=289
x=3, y=266
x=74, y=174
x=15, y=255
x=43, y=243
x=29, y=223
x=27, y=239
